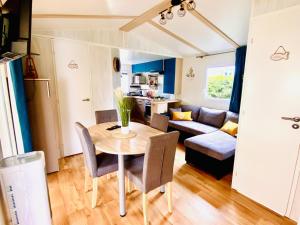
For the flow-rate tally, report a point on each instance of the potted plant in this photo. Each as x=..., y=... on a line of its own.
x=124, y=105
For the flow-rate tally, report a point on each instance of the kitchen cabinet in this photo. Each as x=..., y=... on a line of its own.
x=169, y=75
x=138, y=111
x=153, y=66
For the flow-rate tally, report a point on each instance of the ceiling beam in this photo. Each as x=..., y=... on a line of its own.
x=213, y=27
x=146, y=16
x=74, y=16
x=176, y=37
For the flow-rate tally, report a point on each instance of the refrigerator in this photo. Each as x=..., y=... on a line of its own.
x=15, y=134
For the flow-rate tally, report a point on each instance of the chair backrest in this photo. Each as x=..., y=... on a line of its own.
x=105, y=116
x=159, y=122
x=88, y=148
x=159, y=160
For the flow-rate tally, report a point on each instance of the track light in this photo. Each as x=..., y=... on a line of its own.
x=163, y=20
x=184, y=5
x=169, y=14
x=181, y=12
x=191, y=5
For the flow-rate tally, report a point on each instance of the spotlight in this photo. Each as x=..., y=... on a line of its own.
x=181, y=12
x=162, y=20
x=191, y=5
x=169, y=14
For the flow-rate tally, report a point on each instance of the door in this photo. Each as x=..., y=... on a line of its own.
x=267, y=148
x=74, y=90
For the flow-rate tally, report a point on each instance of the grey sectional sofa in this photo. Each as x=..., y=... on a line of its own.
x=206, y=145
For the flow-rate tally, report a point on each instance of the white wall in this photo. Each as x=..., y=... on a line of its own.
x=194, y=89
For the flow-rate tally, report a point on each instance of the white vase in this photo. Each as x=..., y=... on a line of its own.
x=125, y=130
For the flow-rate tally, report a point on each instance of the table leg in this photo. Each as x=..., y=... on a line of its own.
x=121, y=177
x=162, y=189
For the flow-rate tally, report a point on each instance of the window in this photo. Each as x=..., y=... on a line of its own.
x=220, y=82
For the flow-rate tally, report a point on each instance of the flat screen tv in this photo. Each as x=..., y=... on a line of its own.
x=15, y=20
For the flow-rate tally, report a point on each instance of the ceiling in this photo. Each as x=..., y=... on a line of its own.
x=230, y=16
x=133, y=57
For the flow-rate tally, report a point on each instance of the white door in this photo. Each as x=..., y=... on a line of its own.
x=268, y=146
x=74, y=90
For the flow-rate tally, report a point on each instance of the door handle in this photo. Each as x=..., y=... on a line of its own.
x=294, y=119
x=86, y=100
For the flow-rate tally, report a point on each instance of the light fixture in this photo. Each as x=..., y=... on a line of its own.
x=169, y=14
x=181, y=12
x=191, y=5
x=163, y=20
x=184, y=5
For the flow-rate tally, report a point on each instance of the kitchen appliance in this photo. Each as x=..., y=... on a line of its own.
x=139, y=79
x=23, y=182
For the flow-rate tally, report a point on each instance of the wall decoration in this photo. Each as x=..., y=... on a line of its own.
x=116, y=64
x=73, y=65
x=280, y=54
x=190, y=73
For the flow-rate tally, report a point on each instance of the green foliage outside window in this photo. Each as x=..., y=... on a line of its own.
x=220, y=85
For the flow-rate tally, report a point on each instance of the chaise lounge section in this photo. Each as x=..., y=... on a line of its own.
x=207, y=147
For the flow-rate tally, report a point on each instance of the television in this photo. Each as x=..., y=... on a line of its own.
x=15, y=20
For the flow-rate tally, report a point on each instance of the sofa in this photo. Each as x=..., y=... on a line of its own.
x=207, y=147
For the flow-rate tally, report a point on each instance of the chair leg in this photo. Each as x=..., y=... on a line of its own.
x=145, y=209
x=86, y=178
x=169, y=193
x=129, y=186
x=95, y=191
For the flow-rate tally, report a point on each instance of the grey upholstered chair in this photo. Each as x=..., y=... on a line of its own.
x=155, y=169
x=159, y=122
x=96, y=165
x=105, y=116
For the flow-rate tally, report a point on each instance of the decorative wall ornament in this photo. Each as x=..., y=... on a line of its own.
x=280, y=54
x=190, y=73
x=73, y=65
x=116, y=64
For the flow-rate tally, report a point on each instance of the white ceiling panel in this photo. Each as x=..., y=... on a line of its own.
x=74, y=24
x=135, y=57
x=150, y=32
x=93, y=7
x=231, y=16
x=194, y=31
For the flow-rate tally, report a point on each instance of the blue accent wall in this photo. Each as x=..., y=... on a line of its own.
x=153, y=66
x=169, y=75
x=16, y=70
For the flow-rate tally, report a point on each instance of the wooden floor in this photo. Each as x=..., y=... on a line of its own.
x=198, y=199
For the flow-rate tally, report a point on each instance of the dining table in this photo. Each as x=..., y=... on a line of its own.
x=111, y=142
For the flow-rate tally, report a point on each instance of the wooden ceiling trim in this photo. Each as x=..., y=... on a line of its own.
x=176, y=37
x=74, y=16
x=146, y=16
x=213, y=27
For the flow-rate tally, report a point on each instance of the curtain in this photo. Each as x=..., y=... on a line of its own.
x=236, y=95
x=16, y=70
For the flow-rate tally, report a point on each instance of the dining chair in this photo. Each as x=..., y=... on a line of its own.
x=155, y=169
x=97, y=165
x=159, y=122
x=104, y=116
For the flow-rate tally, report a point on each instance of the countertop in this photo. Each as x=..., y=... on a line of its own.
x=155, y=101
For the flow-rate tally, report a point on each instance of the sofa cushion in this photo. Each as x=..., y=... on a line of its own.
x=231, y=116
x=191, y=127
x=212, y=117
x=195, y=110
x=172, y=110
x=218, y=145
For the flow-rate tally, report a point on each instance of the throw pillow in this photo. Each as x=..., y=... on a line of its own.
x=230, y=128
x=184, y=116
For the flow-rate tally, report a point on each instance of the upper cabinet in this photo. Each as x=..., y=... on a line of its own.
x=167, y=67
x=154, y=66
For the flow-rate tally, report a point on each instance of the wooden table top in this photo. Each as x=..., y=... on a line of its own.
x=105, y=142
